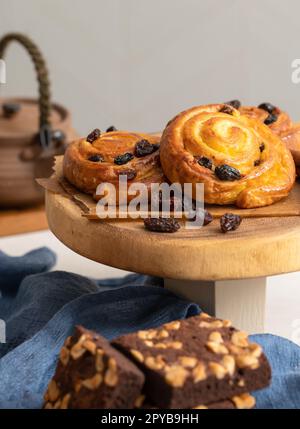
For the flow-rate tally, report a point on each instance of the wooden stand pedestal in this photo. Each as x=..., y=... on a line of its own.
x=241, y=301
x=224, y=273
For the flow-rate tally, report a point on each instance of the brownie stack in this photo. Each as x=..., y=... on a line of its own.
x=201, y=362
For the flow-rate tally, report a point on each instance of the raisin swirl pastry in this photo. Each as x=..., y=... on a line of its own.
x=278, y=121
x=239, y=159
x=101, y=158
x=291, y=137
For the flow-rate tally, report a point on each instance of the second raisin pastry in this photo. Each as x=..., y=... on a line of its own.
x=238, y=159
x=100, y=158
x=278, y=121
x=291, y=137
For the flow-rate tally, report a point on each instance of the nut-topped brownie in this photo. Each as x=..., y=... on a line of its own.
x=245, y=401
x=195, y=361
x=92, y=374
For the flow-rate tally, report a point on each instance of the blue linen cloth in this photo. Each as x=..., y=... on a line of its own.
x=40, y=309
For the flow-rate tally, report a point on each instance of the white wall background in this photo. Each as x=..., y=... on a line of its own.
x=135, y=63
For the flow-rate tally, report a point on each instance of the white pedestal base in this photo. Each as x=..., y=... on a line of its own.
x=241, y=301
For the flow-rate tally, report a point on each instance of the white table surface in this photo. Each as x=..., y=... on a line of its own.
x=283, y=291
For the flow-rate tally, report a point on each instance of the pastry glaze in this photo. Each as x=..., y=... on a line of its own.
x=291, y=137
x=87, y=175
x=282, y=123
x=284, y=127
x=231, y=139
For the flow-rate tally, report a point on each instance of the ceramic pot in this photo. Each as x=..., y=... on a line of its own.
x=32, y=132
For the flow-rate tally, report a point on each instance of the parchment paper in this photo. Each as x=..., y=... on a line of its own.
x=290, y=206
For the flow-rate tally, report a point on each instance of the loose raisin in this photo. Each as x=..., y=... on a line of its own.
x=130, y=174
x=268, y=107
x=94, y=135
x=161, y=224
x=206, y=219
x=144, y=148
x=204, y=162
x=234, y=103
x=111, y=128
x=225, y=172
x=226, y=109
x=271, y=119
x=256, y=162
x=123, y=159
x=10, y=109
x=230, y=222
x=95, y=158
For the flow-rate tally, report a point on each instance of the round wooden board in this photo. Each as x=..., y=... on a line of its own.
x=260, y=247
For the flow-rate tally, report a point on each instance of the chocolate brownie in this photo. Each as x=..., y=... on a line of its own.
x=199, y=360
x=92, y=374
x=241, y=402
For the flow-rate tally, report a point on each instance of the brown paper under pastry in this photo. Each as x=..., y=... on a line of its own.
x=290, y=206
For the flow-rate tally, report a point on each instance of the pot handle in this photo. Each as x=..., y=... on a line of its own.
x=43, y=81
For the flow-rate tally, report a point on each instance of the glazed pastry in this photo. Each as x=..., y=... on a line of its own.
x=278, y=121
x=100, y=158
x=291, y=137
x=239, y=159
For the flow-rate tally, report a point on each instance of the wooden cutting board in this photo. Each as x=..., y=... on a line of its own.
x=22, y=221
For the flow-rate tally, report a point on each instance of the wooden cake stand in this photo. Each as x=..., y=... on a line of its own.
x=224, y=273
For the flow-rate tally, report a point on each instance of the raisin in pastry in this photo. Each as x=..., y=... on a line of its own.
x=280, y=123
